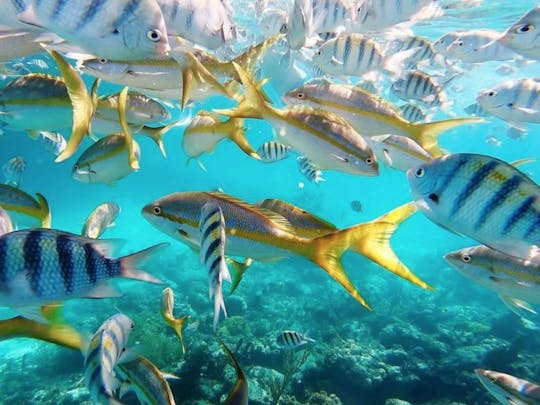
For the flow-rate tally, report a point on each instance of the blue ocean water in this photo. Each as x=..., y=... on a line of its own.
x=416, y=345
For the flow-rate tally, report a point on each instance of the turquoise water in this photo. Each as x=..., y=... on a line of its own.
x=417, y=345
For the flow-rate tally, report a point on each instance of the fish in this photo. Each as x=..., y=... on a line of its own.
x=206, y=23
x=372, y=115
x=323, y=137
x=206, y=130
x=273, y=151
x=309, y=169
x=105, y=350
x=412, y=113
x=509, y=276
x=167, y=313
x=54, y=142
x=239, y=394
x=424, y=50
x=18, y=44
x=332, y=15
x=477, y=46
x=299, y=24
x=126, y=29
x=13, y=170
x=398, y=152
x=101, y=218
x=10, y=11
x=417, y=85
x=23, y=208
x=522, y=36
x=105, y=161
x=261, y=234
x=6, y=226
x=508, y=389
x=149, y=383
x=356, y=206
x=481, y=197
x=513, y=100
x=212, y=254
x=40, y=266
x=293, y=340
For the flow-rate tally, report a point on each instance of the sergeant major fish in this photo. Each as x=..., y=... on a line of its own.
x=13, y=170
x=39, y=266
x=292, y=339
x=273, y=151
x=481, y=197
x=261, y=234
x=212, y=254
x=106, y=348
x=309, y=169
x=101, y=218
x=523, y=37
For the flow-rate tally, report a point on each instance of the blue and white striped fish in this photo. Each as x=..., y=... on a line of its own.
x=54, y=142
x=309, y=169
x=106, y=348
x=39, y=266
x=13, y=170
x=212, y=254
x=292, y=339
x=117, y=30
x=481, y=197
x=273, y=151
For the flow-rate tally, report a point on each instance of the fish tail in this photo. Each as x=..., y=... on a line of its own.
x=177, y=324
x=237, y=271
x=156, y=134
x=45, y=212
x=219, y=303
x=234, y=127
x=122, y=100
x=372, y=240
x=83, y=106
x=427, y=134
x=255, y=102
x=240, y=374
x=129, y=264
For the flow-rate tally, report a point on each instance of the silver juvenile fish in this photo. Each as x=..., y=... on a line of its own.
x=101, y=218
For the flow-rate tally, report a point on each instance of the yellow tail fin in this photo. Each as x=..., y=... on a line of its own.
x=45, y=214
x=237, y=271
x=83, y=106
x=156, y=134
x=234, y=128
x=370, y=239
x=177, y=324
x=122, y=101
x=427, y=134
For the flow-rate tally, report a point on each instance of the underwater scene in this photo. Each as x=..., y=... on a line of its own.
x=293, y=202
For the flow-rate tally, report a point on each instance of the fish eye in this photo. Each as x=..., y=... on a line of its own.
x=369, y=161
x=102, y=60
x=491, y=93
x=157, y=210
x=300, y=95
x=283, y=29
x=510, y=105
x=319, y=52
x=460, y=43
x=419, y=172
x=76, y=168
x=525, y=28
x=154, y=35
x=466, y=258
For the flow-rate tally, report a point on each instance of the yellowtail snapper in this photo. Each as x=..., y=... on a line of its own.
x=22, y=207
x=481, y=197
x=167, y=313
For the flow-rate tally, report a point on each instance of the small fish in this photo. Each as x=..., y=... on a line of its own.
x=481, y=197
x=398, y=152
x=424, y=50
x=101, y=218
x=23, y=208
x=107, y=346
x=126, y=29
x=476, y=110
x=300, y=24
x=356, y=206
x=293, y=340
x=40, y=266
x=167, y=312
x=477, y=46
x=522, y=36
x=106, y=161
x=309, y=169
x=507, y=389
x=13, y=170
x=513, y=100
x=412, y=113
x=17, y=44
x=54, y=142
x=417, y=85
x=148, y=382
x=273, y=151
x=332, y=15
x=261, y=234
x=239, y=394
x=206, y=130
x=6, y=226
x=212, y=254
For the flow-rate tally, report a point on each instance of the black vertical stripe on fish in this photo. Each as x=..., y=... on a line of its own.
x=458, y=165
x=3, y=265
x=189, y=18
x=214, y=245
x=64, y=249
x=91, y=260
x=128, y=11
x=19, y=5
x=521, y=211
x=533, y=95
x=112, y=333
x=504, y=191
x=174, y=10
x=533, y=227
x=107, y=356
x=361, y=50
x=214, y=265
x=95, y=377
x=347, y=49
x=472, y=185
x=112, y=267
x=210, y=228
x=287, y=337
x=32, y=259
x=58, y=7
x=88, y=16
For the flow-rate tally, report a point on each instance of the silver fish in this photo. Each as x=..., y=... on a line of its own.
x=417, y=85
x=273, y=151
x=293, y=340
x=54, y=142
x=39, y=266
x=507, y=389
x=13, y=170
x=412, y=112
x=476, y=46
x=522, y=36
x=106, y=348
x=309, y=169
x=101, y=218
x=212, y=254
